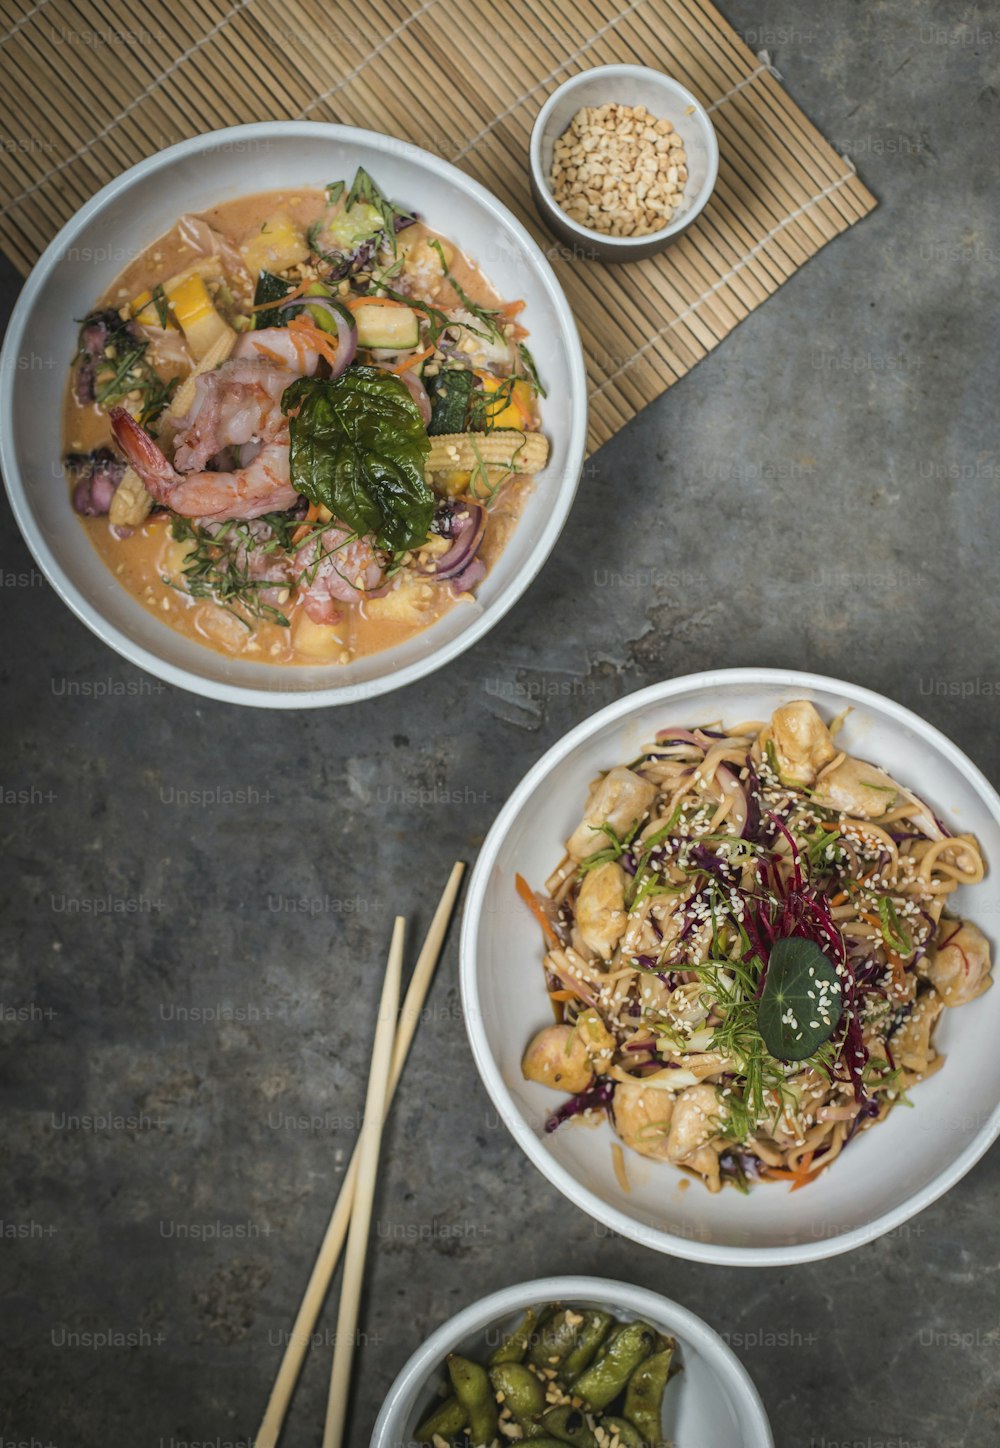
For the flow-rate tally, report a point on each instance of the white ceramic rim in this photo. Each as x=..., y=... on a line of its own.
x=661, y=1311
x=660, y=1239
x=623, y=244
x=135, y=653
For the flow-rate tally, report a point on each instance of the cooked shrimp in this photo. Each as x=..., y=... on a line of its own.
x=277, y=344
x=237, y=406
x=336, y=567
x=263, y=486
x=240, y=402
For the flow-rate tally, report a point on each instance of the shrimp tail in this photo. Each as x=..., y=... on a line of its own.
x=144, y=454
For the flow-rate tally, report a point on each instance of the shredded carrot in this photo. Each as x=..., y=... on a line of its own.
x=413, y=361
x=298, y=291
x=530, y=899
x=840, y=899
x=302, y=531
x=305, y=330
x=512, y=309
x=267, y=352
x=800, y=1176
x=562, y=995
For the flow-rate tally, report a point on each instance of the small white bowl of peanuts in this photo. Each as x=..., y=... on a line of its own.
x=623, y=159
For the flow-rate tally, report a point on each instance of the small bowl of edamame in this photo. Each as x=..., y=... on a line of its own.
x=579, y=1360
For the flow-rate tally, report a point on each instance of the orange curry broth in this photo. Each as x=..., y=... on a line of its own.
x=150, y=555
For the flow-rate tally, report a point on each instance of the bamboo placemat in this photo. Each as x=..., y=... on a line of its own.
x=90, y=89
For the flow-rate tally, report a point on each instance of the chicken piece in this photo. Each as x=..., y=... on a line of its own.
x=802, y=742
x=598, y=1041
x=641, y=1116
x=600, y=908
x=620, y=800
x=911, y=1043
x=694, y=1123
x=558, y=1057
x=856, y=788
x=959, y=969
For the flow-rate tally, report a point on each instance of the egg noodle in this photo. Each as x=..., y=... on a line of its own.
x=749, y=950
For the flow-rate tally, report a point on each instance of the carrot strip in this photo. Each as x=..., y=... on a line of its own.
x=413, y=361
x=531, y=900
x=266, y=351
x=562, y=995
x=302, y=328
x=512, y=309
x=302, y=531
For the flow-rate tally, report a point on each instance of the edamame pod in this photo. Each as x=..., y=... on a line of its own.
x=569, y=1425
x=618, y=1359
x=644, y=1395
x=447, y=1422
x=523, y=1391
x=474, y=1393
x=628, y=1436
x=513, y=1348
x=556, y=1338
x=592, y=1334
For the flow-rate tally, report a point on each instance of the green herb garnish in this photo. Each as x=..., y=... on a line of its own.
x=214, y=568
x=894, y=934
x=162, y=306
x=358, y=446
x=801, y=1003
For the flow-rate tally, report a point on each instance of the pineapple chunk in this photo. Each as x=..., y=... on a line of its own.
x=195, y=311
x=411, y=600
x=323, y=642
x=454, y=483
x=515, y=411
x=277, y=246
x=144, y=312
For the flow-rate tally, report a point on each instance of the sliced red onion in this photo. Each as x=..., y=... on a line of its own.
x=470, y=523
x=677, y=736
x=418, y=392
x=347, y=331
x=470, y=577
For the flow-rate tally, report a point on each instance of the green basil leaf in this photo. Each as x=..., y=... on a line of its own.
x=801, y=1003
x=270, y=288
x=358, y=445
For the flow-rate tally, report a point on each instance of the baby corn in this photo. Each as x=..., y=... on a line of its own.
x=502, y=451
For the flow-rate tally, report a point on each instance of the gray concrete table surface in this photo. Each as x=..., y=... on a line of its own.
x=820, y=493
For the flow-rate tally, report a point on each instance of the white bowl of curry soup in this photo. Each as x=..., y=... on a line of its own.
x=238, y=639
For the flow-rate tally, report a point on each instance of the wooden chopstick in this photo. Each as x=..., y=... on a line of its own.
x=336, y=1232
x=369, y=1146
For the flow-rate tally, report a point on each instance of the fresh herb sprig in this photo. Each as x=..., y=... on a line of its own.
x=217, y=567
x=492, y=320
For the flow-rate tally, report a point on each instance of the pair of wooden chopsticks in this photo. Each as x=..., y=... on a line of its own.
x=351, y=1217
